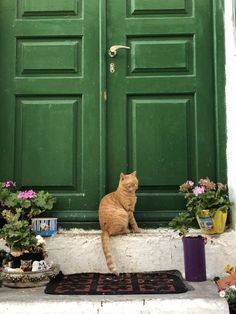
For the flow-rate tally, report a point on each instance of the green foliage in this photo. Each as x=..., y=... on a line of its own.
x=17, y=232
x=44, y=201
x=10, y=200
x=32, y=203
x=4, y=255
x=7, y=196
x=230, y=295
x=182, y=223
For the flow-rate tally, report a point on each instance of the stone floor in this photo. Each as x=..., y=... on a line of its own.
x=203, y=299
x=81, y=251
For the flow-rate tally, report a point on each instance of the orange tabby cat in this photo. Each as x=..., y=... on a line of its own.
x=116, y=213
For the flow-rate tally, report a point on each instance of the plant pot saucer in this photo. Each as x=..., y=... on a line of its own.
x=28, y=279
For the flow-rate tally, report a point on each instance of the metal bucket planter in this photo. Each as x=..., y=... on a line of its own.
x=194, y=258
x=212, y=225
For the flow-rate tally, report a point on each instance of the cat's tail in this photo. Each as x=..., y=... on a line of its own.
x=107, y=252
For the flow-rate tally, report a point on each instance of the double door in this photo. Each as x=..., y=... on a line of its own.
x=93, y=88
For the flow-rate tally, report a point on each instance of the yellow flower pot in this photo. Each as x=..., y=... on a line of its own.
x=212, y=225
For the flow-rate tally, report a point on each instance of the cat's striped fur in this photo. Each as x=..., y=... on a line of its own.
x=116, y=214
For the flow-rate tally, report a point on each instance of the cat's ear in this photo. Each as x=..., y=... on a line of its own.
x=134, y=173
x=122, y=176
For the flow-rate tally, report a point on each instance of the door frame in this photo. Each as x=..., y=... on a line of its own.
x=219, y=82
x=103, y=94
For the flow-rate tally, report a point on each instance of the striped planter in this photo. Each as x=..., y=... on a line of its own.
x=44, y=226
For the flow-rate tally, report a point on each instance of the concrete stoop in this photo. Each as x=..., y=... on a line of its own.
x=81, y=251
x=203, y=299
x=78, y=250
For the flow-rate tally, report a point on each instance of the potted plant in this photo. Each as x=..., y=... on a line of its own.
x=32, y=203
x=21, y=239
x=193, y=248
x=209, y=202
x=18, y=208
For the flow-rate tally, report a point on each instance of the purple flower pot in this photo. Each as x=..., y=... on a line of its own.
x=194, y=258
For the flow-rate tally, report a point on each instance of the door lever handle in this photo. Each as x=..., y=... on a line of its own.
x=113, y=50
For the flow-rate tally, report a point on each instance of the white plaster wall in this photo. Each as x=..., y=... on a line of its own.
x=230, y=90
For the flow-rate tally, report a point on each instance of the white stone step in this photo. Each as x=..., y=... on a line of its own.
x=160, y=249
x=203, y=300
x=152, y=250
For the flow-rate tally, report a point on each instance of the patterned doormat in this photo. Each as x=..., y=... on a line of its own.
x=160, y=282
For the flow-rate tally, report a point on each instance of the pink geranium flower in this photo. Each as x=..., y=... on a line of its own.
x=26, y=194
x=198, y=190
x=8, y=184
x=190, y=183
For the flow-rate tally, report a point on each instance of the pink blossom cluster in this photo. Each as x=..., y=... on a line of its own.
x=26, y=194
x=198, y=190
x=221, y=186
x=8, y=184
x=190, y=183
x=207, y=183
x=186, y=186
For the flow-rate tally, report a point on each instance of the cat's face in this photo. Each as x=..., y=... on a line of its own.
x=129, y=181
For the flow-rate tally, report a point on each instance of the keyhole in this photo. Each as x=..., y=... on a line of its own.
x=112, y=67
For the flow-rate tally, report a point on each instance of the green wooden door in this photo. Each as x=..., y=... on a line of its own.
x=162, y=100
x=50, y=101
x=72, y=117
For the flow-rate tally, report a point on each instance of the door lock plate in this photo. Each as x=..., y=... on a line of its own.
x=112, y=67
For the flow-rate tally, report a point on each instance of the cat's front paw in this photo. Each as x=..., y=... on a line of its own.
x=136, y=230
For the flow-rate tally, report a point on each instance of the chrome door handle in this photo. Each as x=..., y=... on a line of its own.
x=113, y=50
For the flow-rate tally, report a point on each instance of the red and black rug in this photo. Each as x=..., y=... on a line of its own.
x=159, y=282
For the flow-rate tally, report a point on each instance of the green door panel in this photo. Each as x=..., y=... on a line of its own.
x=139, y=7
x=72, y=117
x=35, y=114
x=48, y=8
